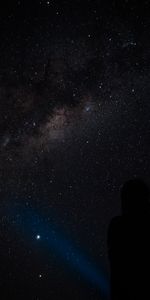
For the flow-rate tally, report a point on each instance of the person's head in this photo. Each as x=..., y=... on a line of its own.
x=135, y=196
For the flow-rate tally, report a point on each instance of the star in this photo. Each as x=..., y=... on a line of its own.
x=6, y=141
x=87, y=108
x=38, y=237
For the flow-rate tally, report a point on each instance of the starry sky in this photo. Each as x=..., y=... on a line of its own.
x=74, y=126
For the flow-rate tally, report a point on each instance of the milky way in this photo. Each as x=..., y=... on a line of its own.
x=52, y=108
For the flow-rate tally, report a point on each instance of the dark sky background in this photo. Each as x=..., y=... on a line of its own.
x=74, y=126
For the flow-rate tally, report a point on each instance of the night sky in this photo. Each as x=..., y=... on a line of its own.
x=74, y=126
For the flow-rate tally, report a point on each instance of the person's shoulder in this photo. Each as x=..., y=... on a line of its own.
x=115, y=221
x=115, y=225
x=114, y=230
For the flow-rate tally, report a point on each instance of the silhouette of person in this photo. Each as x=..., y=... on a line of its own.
x=129, y=244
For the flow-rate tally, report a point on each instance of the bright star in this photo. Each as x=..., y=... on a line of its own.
x=38, y=237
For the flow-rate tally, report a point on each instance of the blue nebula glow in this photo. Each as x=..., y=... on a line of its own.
x=31, y=223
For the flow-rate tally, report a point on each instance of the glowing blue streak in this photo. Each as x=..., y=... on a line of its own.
x=41, y=232
x=78, y=261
